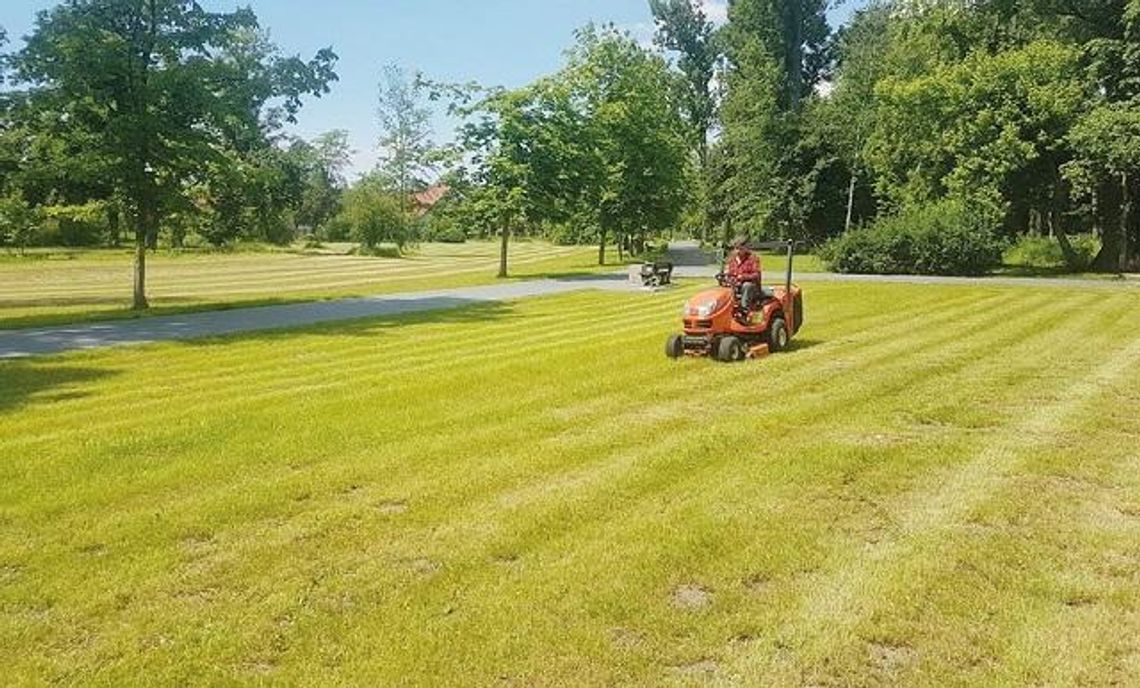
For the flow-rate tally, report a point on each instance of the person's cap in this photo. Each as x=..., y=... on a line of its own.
x=741, y=241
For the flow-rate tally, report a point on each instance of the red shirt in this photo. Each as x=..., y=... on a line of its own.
x=743, y=267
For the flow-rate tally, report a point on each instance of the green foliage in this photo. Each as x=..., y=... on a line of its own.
x=1047, y=253
x=597, y=151
x=373, y=216
x=140, y=97
x=443, y=224
x=407, y=153
x=18, y=221
x=768, y=166
x=943, y=238
x=635, y=141
x=974, y=129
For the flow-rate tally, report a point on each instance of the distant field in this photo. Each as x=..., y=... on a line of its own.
x=97, y=284
x=940, y=486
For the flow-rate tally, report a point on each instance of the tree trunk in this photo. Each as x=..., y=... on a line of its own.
x=503, y=248
x=794, y=60
x=140, y=303
x=113, y=219
x=1124, y=256
x=850, y=202
x=1110, y=205
x=602, y=247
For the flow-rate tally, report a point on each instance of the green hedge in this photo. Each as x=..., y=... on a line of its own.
x=943, y=238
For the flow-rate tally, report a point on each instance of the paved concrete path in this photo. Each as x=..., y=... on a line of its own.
x=687, y=256
x=53, y=340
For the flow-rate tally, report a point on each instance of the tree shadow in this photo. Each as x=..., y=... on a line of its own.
x=419, y=311
x=24, y=382
x=164, y=307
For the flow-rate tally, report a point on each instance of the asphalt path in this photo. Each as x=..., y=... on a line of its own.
x=690, y=260
x=54, y=340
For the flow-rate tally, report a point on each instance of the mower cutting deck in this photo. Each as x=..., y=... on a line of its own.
x=717, y=324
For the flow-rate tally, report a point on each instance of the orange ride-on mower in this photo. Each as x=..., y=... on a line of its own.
x=718, y=325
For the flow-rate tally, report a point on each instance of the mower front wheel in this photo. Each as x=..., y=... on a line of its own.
x=730, y=350
x=675, y=347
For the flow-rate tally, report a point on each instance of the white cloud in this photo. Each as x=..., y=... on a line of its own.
x=642, y=32
x=715, y=10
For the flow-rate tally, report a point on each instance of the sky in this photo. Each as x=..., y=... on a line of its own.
x=493, y=42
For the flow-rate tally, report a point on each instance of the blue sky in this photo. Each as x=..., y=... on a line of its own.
x=494, y=42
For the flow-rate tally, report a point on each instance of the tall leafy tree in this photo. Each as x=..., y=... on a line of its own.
x=849, y=113
x=323, y=162
x=778, y=53
x=684, y=29
x=634, y=137
x=407, y=152
x=154, y=90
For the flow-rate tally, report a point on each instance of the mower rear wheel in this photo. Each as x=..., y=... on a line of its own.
x=675, y=347
x=730, y=350
x=778, y=336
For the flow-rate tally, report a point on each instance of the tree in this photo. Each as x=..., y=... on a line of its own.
x=407, y=153
x=989, y=131
x=778, y=52
x=154, y=89
x=1108, y=144
x=499, y=172
x=851, y=109
x=373, y=215
x=323, y=163
x=631, y=138
x=683, y=27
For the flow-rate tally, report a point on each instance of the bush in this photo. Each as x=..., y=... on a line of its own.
x=374, y=216
x=1046, y=253
x=943, y=238
x=442, y=227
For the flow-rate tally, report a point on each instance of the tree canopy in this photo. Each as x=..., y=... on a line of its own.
x=133, y=100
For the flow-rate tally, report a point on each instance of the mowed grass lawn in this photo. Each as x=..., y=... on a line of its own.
x=940, y=486
x=95, y=285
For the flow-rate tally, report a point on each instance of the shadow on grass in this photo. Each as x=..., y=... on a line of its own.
x=23, y=382
x=798, y=345
x=385, y=327
x=125, y=314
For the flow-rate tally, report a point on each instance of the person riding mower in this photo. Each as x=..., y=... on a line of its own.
x=742, y=272
x=740, y=319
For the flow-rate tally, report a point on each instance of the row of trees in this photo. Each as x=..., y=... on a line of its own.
x=1025, y=113
x=596, y=152
x=144, y=114
x=990, y=117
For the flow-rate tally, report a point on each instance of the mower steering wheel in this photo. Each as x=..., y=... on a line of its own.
x=723, y=280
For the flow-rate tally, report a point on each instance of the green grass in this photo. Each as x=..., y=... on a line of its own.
x=940, y=486
x=56, y=287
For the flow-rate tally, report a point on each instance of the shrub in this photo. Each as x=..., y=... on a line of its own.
x=1046, y=253
x=943, y=238
x=19, y=221
x=374, y=216
x=441, y=226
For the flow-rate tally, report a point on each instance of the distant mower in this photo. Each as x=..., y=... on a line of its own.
x=718, y=325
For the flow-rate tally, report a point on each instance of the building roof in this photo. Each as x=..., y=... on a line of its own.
x=427, y=198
